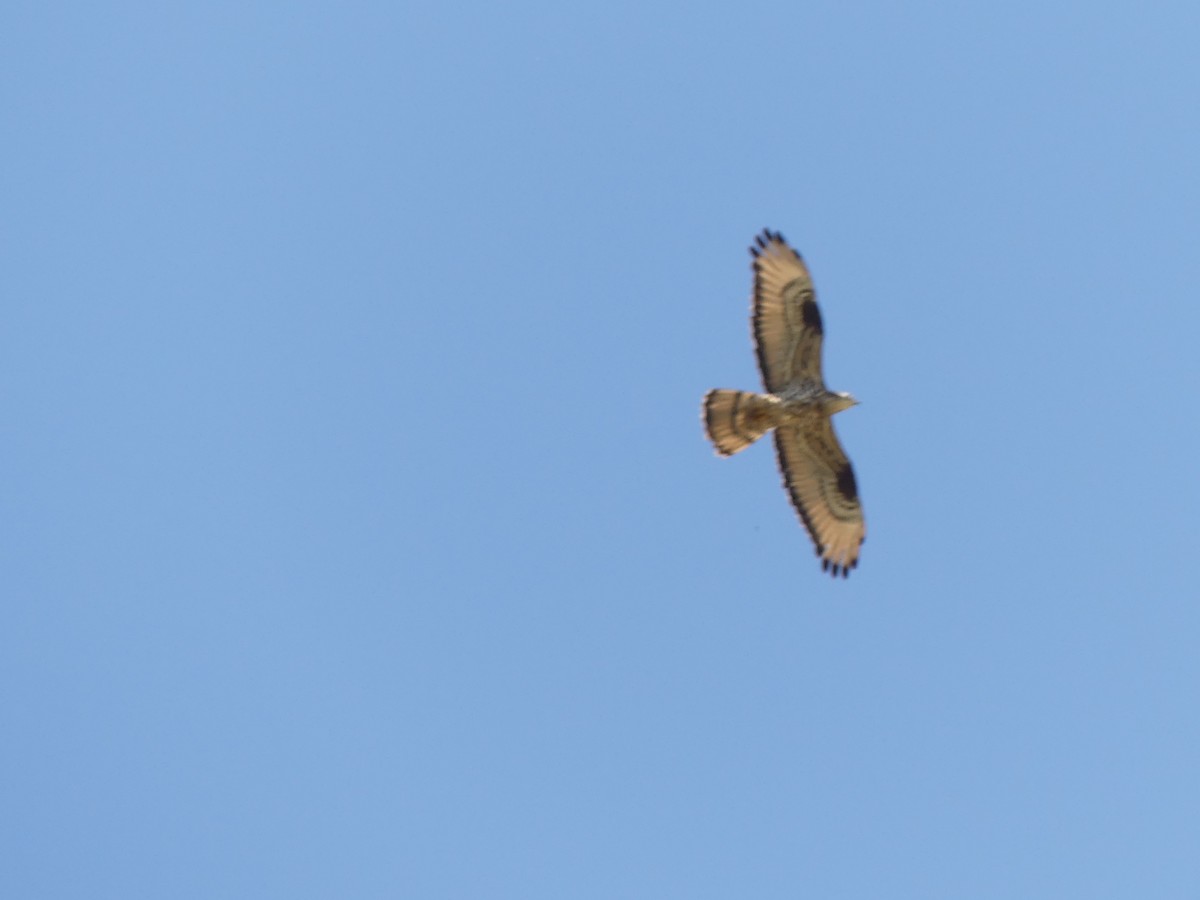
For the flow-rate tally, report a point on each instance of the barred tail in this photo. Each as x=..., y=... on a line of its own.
x=736, y=419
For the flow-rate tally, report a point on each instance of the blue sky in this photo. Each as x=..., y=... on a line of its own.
x=360, y=538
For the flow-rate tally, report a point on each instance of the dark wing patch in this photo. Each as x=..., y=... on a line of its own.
x=811, y=314
x=846, y=484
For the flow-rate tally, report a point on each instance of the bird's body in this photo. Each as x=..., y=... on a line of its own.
x=788, y=333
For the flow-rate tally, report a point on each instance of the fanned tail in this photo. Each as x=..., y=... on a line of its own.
x=734, y=420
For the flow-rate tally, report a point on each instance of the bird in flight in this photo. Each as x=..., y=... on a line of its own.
x=787, y=336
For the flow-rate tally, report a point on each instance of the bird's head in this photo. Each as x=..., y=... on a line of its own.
x=836, y=401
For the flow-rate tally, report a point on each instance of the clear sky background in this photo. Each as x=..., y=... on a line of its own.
x=360, y=538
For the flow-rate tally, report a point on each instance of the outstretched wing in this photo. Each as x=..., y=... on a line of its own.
x=820, y=481
x=787, y=322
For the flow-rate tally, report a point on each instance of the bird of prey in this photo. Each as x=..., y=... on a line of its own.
x=787, y=335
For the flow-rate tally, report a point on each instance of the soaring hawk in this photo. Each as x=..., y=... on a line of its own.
x=787, y=335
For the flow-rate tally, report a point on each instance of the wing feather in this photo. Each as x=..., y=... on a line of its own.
x=787, y=321
x=820, y=481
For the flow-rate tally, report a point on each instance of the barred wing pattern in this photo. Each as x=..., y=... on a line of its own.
x=820, y=481
x=787, y=322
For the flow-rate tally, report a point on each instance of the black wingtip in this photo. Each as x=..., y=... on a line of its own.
x=767, y=236
x=771, y=237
